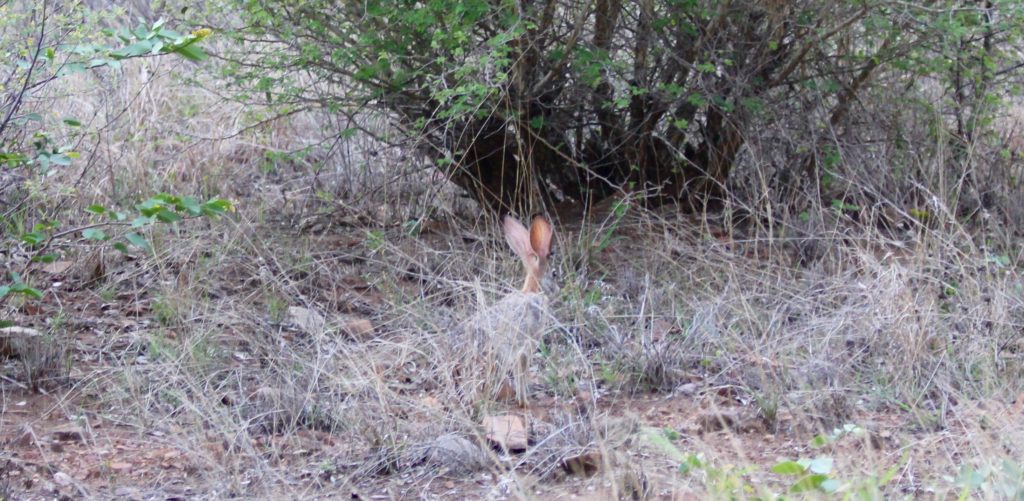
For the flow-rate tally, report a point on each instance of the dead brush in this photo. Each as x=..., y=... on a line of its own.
x=577, y=444
x=45, y=361
x=841, y=324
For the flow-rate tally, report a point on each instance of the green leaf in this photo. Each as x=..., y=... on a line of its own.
x=25, y=289
x=830, y=486
x=4, y=290
x=72, y=122
x=96, y=209
x=216, y=207
x=166, y=216
x=412, y=227
x=33, y=238
x=821, y=465
x=692, y=462
x=788, y=468
x=13, y=159
x=141, y=221
x=45, y=258
x=121, y=247
x=5, y=323
x=150, y=205
x=190, y=206
x=166, y=198
x=808, y=483
x=61, y=159
x=45, y=226
x=656, y=436
x=190, y=52
x=136, y=49
x=137, y=240
x=94, y=234
x=70, y=69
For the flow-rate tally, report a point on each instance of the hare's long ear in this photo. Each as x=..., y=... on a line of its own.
x=540, y=236
x=518, y=236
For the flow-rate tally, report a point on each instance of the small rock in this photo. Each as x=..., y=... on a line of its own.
x=507, y=432
x=306, y=320
x=687, y=389
x=457, y=453
x=63, y=479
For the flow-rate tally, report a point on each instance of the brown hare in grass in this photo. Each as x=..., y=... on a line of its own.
x=497, y=342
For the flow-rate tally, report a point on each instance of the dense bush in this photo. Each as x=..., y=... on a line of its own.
x=571, y=100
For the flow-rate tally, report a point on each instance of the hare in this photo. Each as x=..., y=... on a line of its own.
x=496, y=343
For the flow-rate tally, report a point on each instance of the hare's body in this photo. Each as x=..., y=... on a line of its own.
x=496, y=345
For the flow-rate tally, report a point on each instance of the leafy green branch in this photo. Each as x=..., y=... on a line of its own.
x=162, y=208
x=49, y=58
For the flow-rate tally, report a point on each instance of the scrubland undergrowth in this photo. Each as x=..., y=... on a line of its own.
x=300, y=346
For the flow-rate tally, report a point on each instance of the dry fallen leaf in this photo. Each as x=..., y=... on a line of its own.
x=120, y=466
x=358, y=328
x=507, y=431
x=57, y=267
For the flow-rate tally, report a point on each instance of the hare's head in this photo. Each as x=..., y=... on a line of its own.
x=532, y=246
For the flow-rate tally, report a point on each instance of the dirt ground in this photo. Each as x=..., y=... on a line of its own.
x=52, y=449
